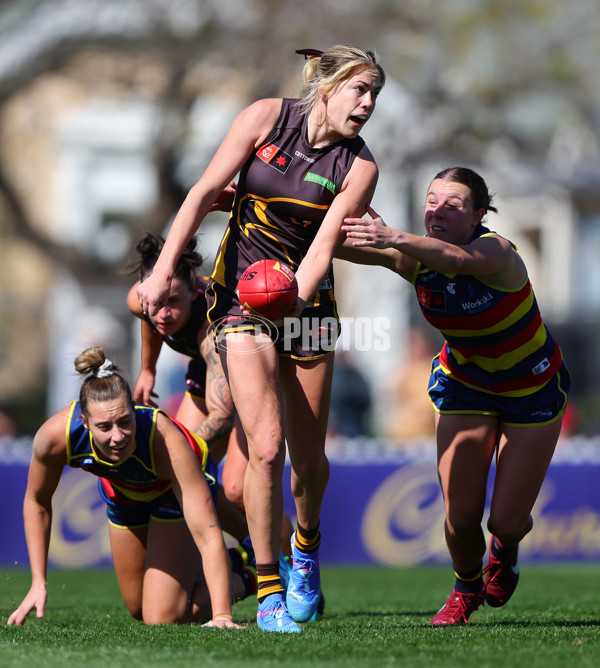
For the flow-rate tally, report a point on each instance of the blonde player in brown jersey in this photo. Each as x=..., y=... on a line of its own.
x=302, y=169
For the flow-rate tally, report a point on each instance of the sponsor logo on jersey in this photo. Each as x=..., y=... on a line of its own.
x=432, y=299
x=321, y=180
x=541, y=367
x=275, y=157
x=478, y=304
x=304, y=157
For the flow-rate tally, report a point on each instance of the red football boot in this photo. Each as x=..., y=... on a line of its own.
x=501, y=577
x=458, y=608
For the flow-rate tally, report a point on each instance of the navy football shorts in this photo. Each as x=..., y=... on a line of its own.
x=450, y=396
x=129, y=514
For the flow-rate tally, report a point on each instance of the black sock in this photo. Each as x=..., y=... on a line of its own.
x=507, y=554
x=469, y=582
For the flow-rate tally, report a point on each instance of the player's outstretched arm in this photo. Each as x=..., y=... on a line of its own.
x=143, y=391
x=352, y=200
x=177, y=462
x=245, y=134
x=49, y=458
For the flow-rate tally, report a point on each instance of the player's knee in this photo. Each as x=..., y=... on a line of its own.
x=161, y=608
x=509, y=528
x=268, y=456
x=311, y=466
x=234, y=492
x=161, y=614
x=461, y=523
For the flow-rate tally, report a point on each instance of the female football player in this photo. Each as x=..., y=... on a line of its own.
x=155, y=478
x=499, y=385
x=207, y=406
x=303, y=169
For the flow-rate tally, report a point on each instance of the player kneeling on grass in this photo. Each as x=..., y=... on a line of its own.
x=156, y=479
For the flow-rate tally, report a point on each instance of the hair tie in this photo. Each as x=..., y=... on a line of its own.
x=309, y=53
x=105, y=370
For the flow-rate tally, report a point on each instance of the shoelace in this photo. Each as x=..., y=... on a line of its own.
x=276, y=610
x=493, y=569
x=305, y=562
x=460, y=602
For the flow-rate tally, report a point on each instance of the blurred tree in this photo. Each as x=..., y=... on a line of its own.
x=513, y=82
x=482, y=70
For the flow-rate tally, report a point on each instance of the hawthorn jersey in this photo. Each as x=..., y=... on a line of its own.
x=135, y=479
x=495, y=340
x=284, y=191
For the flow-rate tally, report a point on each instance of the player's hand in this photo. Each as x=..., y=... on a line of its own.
x=224, y=201
x=143, y=392
x=153, y=294
x=364, y=232
x=35, y=600
x=222, y=623
x=294, y=312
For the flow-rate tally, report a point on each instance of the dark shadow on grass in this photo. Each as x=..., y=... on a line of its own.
x=395, y=613
x=489, y=621
x=528, y=624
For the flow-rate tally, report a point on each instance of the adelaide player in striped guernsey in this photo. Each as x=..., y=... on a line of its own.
x=499, y=385
x=158, y=483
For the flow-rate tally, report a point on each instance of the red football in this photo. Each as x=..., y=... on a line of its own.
x=269, y=288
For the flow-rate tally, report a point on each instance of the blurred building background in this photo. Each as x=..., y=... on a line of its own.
x=110, y=109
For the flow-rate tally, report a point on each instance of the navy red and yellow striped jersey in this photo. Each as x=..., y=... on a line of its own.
x=135, y=479
x=495, y=339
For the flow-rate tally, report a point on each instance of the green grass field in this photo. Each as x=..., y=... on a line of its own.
x=373, y=617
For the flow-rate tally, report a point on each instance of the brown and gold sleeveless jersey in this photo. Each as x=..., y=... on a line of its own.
x=284, y=191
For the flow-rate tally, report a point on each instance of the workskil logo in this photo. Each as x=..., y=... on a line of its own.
x=275, y=157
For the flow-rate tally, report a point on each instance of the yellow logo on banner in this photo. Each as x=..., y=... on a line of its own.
x=79, y=524
x=403, y=521
x=404, y=517
x=561, y=535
